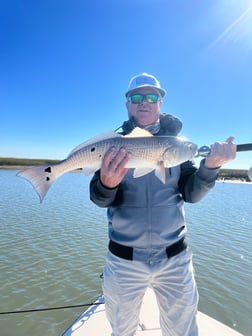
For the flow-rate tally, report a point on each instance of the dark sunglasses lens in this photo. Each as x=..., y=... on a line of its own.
x=136, y=99
x=152, y=98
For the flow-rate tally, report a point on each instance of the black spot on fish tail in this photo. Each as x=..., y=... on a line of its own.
x=48, y=170
x=48, y=178
x=92, y=149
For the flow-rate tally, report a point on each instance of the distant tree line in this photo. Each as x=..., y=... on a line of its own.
x=6, y=161
x=234, y=174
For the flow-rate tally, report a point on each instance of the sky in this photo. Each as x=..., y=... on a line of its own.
x=66, y=64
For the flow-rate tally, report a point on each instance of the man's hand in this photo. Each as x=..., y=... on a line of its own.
x=113, y=167
x=221, y=153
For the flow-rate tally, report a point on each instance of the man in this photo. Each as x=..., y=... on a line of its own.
x=147, y=231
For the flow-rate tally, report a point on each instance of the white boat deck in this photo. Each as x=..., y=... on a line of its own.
x=93, y=322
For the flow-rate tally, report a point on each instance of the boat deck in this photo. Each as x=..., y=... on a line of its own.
x=93, y=321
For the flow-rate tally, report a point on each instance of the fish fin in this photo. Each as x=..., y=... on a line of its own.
x=160, y=172
x=41, y=178
x=138, y=132
x=89, y=170
x=138, y=172
x=181, y=138
x=100, y=137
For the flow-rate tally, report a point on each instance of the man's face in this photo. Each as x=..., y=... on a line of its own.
x=145, y=113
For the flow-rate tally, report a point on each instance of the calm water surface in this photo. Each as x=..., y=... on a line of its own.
x=52, y=254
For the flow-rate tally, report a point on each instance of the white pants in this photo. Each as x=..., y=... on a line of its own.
x=172, y=280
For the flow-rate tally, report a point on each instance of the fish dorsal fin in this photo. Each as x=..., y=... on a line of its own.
x=100, y=137
x=138, y=132
x=182, y=138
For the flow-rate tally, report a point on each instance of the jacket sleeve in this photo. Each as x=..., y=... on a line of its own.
x=99, y=194
x=195, y=183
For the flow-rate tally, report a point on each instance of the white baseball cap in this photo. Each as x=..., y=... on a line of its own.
x=144, y=80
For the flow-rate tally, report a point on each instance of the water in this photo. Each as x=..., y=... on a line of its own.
x=52, y=254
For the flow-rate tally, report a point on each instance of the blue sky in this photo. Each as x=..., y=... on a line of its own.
x=65, y=65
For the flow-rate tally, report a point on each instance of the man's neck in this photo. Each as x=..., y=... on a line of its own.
x=153, y=128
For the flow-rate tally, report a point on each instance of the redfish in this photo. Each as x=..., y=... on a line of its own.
x=147, y=153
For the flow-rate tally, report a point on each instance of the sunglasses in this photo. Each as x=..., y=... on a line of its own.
x=138, y=98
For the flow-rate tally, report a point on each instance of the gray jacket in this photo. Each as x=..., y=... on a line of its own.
x=143, y=212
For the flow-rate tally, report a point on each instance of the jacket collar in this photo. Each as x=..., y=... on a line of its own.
x=169, y=125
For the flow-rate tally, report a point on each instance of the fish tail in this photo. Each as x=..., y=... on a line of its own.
x=41, y=178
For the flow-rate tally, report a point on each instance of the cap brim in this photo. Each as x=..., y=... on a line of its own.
x=161, y=91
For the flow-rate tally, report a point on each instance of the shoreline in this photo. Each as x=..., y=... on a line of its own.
x=219, y=180
x=17, y=167
x=240, y=181
x=14, y=167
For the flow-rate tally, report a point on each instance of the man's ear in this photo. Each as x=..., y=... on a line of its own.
x=127, y=105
